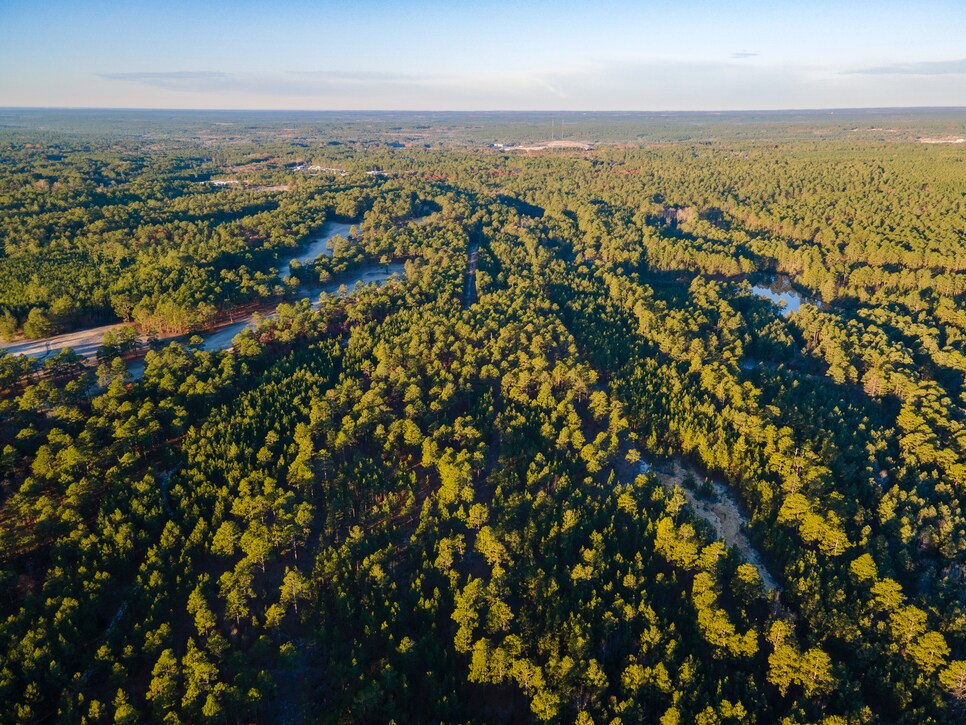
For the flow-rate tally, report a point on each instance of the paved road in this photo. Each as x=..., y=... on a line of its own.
x=84, y=342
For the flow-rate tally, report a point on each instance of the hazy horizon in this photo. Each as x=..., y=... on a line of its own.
x=548, y=111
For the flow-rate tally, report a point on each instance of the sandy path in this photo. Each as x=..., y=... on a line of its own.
x=723, y=514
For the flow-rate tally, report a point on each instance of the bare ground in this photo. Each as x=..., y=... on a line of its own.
x=722, y=513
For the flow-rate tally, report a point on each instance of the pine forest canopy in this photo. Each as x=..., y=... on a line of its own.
x=570, y=466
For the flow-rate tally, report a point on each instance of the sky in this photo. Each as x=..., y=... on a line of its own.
x=649, y=55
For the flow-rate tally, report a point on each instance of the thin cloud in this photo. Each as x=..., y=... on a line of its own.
x=594, y=83
x=633, y=83
x=299, y=83
x=165, y=79
x=926, y=68
x=353, y=87
x=742, y=54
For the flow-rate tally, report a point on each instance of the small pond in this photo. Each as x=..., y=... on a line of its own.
x=781, y=292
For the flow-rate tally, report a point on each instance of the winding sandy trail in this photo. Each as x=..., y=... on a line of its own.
x=722, y=513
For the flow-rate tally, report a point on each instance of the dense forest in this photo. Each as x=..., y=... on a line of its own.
x=574, y=464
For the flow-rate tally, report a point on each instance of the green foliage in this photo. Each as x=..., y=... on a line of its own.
x=406, y=503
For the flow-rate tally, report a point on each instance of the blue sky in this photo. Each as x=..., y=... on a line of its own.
x=484, y=54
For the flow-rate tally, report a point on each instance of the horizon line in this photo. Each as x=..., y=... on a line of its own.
x=829, y=109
